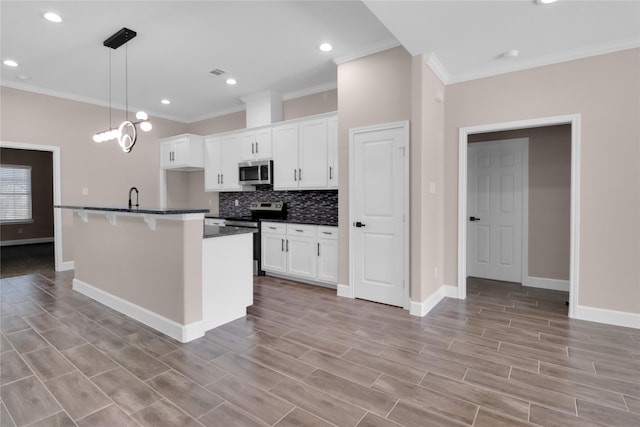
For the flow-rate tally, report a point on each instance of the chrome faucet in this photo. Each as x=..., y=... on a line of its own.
x=131, y=190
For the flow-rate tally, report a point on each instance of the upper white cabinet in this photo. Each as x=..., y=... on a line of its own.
x=285, y=157
x=256, y=144
x=222, y=155
x=333, y=151
x=182, y=152
x=301, y=154
x=304, y=153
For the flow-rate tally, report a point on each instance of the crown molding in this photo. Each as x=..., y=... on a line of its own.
x=310, y=91
x=438, y=69
x=379, y=47
x=85, y=99
x=509, y=66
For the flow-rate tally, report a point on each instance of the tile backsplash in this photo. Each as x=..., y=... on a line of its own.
x=321, y=205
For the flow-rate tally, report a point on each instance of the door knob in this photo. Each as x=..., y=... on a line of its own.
x=358, y=224
x=473, y=218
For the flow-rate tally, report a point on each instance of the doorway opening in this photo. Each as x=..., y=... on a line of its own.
x=60, y=265
x=476, y=133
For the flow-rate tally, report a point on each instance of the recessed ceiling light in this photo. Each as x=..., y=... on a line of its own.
x=325, y=47
x=10, y=63
x=231, y=81
x=545, y=1
x=52, y=17
x=165, y=101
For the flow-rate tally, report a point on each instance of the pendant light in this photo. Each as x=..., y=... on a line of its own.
x=126, y=133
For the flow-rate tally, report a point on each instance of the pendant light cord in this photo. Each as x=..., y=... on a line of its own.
x=110, y=120
x=126, y=81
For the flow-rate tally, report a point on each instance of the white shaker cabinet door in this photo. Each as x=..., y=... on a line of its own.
x=285, y=157
x=313, y=172
x=273, y=253
x=212, y=164
x=231, y=155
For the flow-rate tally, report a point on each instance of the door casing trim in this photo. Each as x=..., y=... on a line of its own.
x=60, y=265
x=404, y=125
x=574, y=258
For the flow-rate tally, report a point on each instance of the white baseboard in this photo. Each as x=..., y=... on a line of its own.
x=66, y=266
x=26, y=241
x=611, y=317
x=344, y=291
x=183, y=333
x=544, y=283
x=422, y=308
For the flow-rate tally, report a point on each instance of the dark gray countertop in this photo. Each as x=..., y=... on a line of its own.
x=309, y=221
x=154, y=211
x=217, y=231
x=296, y=220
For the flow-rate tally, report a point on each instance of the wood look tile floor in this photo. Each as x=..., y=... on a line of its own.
x=507, y=356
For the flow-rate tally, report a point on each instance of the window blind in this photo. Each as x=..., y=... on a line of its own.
x=15, y=193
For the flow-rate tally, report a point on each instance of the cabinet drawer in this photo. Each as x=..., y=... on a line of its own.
x=301, y=230
x=328, y=232
x=274, y=227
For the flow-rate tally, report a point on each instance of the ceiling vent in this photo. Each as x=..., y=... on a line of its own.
x=217, y=72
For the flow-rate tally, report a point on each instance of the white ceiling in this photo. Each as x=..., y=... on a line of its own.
x=272, y=45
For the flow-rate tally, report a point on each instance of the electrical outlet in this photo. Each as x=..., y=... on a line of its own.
x=236, y=202
x=210, y=202
x=85, y=191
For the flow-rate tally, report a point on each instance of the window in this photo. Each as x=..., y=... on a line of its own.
x=15, y=194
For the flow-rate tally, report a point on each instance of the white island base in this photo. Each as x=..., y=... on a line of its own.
x=167, y=276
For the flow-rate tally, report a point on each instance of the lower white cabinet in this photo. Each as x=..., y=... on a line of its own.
x=274, y=257
x=327, y=255
x=301, y=251
x=301, y=260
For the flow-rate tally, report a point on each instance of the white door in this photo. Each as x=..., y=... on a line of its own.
x=495, y=208
x=378, y=207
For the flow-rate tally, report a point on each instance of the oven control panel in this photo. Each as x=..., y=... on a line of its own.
x=266, y=206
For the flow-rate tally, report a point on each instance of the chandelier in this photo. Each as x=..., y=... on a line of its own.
x=126, y=133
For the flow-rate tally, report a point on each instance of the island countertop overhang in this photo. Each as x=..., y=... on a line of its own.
x=138, y=210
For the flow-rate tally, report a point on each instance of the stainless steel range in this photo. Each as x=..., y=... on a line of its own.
x=257, y=212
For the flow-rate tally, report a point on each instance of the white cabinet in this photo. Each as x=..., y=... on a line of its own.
x=301, y=251
x=273, y=243
x=285, y=157
x=222, y=155
x=313, y=154
x=301, y=154
x=333, y=151
x=256, y=144
x=181, y=152
x=327, y=269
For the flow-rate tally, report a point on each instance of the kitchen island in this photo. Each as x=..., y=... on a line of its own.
x=162, y=267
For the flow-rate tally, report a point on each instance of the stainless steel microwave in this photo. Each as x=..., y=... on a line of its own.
x=255, y=173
